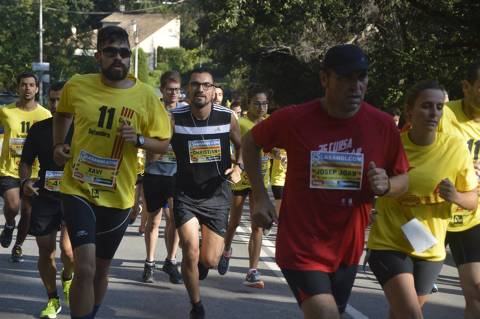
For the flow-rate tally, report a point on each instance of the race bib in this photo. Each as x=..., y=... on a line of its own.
x=53, y=179
x=169, y=156
x=16, y=145
x=205, y=151
x=265, y=164
x=333, y=170
x=95, y=170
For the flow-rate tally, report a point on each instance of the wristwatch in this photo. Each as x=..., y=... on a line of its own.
x=140, y=141
x=241, y=166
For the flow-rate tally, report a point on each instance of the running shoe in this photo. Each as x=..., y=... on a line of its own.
x=197, y=312
x=66, y=284
x=224, y=262
x=17, y=254
x=172, y=272
x=148, y=273
x=202, y=271
x=6, y=235
x=253, y=280
x=52, y=309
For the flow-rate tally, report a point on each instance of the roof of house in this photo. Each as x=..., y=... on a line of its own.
x=147, y=23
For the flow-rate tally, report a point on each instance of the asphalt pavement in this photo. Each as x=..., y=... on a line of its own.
x=22, y=294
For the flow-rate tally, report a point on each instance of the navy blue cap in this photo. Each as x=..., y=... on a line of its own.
x=345, y=59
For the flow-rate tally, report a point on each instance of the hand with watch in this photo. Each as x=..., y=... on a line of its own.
x=129, y=133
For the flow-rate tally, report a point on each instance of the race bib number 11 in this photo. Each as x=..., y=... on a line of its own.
x=332, y=170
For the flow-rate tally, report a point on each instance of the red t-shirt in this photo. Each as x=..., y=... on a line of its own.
x=319, y=229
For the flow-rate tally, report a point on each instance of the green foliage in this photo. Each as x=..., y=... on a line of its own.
x=277, y=43
x=19, y=44
x=180, y=59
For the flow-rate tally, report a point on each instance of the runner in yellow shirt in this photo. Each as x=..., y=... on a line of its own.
x=406, y=262
x=277, y=176
x=16, y=119
x=257, y=111
x=462, y=118
x=114, y=114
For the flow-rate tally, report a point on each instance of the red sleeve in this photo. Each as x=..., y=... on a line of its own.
x=270, y=132
x=397, y=162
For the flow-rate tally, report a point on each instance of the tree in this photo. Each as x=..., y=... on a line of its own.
x=19, y=45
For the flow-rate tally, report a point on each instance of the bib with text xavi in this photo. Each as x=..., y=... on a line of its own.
x=96, y=170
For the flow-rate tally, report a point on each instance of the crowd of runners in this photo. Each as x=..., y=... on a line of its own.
x=107, y=150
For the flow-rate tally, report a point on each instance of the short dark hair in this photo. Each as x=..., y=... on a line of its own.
x=394, y=111
x=472, y=72
x=418, y=88
x=201, y=70
x=27, y=74
x=111, y=34
x=218, y=86
x=56, y=86
x=258, y=89
x=170, y=76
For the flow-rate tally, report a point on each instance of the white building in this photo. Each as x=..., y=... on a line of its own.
x=153, y=30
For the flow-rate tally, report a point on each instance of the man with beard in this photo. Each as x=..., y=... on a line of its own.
x=113, y=114
x=201, y=142
x=16, y=119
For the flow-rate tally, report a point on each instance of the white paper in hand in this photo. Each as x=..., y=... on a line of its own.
x=418, y=235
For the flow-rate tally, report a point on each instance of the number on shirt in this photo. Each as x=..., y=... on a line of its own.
x=104, y=110
x=25, y=126
x=471, y=143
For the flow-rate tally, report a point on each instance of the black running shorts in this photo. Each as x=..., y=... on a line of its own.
x=464, y=245
x=8, y=182
x=308, y=283
x=46, y=215
x=211, y=212
x=91, y=224
x=242, y=192
x=387, y=264
x=157, y=190
x=277, y=192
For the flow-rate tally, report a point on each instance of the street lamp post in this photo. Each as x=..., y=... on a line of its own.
x=135, y=39
x=40, y=51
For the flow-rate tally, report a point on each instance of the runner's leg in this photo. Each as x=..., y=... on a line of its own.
x=188, y=233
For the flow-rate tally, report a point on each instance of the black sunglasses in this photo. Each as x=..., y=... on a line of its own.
x=112, y=52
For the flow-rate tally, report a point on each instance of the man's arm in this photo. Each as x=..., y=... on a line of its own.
x=61, y=125
x=235, y=138
x=264, y=213
x=383, y=185
x=152, y=144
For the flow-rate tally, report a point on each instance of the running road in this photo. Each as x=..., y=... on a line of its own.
x=22, y=295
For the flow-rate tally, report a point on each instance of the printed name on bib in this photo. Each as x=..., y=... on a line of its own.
x=53, y=179
x=16, y=145
x=333, y=170
x=205, y=151
x=96, y=170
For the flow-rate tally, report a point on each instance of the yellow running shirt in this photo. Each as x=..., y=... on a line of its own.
x=16, y=123
x=455, y=122
x=279, y=170
x=103, y=168
x=246, y=125
x=448, y=158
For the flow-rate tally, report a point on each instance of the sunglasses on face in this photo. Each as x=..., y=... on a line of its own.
x=112, y=52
